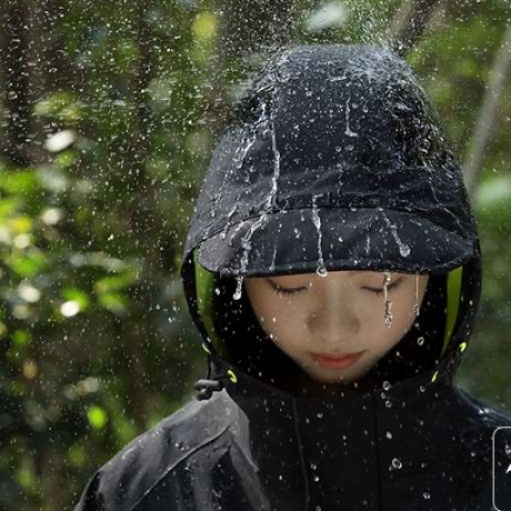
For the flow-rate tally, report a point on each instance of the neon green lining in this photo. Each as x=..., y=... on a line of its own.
x=204, y=284
x=454, y=278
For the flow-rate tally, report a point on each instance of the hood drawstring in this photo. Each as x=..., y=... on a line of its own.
x=206, y=386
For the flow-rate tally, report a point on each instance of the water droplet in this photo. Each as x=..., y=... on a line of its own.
x=386, y=385
x=387, y=313
x=396, y=464
x=322, y=272
x=321, y=269
x=239, y=286
x=388, y=404
x=388, y=434
x=316, y=478
x=420, y=340
x=404, y=249
x=426, y=495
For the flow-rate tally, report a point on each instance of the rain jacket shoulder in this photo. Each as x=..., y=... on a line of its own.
x=334, y=160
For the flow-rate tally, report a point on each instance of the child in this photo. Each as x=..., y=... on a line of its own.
x=333, y=269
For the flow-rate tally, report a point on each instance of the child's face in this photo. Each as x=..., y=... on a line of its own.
x=319, y=320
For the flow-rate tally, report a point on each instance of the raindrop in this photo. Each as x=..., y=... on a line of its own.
x=396, y=464
x=321, y=270
x=404, y=249
x=247, y=246
x=386, y=385
x=388, y=404
x=316, y=478
x=387, y=314
x=388, y=434
x=422, y=388
x=426, y=495
x=241, y=159
x=239, y=286
x=420, y=340
x=417, y=306
x=276, y=169
x=348, y=130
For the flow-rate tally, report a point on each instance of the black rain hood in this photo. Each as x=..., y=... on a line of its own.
x=333, y=160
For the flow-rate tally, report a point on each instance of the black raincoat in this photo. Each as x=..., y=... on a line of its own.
x=333, y=160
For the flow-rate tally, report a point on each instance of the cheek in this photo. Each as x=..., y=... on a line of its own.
x=281, y=319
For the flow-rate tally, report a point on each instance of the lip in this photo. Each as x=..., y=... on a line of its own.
x=336, y=361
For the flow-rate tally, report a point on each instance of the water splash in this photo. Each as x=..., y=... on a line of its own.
x=246, y=245
x=243, y=151
x=228, y=224
x=276, y=170
x=246, y=241
x=387, y=313
x=321, y=269
x=404, y=249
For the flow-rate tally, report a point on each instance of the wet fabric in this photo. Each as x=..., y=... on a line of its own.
x=333, y=160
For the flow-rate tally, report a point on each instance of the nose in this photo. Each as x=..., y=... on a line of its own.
x=334, y=323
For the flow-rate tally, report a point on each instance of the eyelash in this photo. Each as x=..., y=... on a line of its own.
x=285, y=291
x=390, y=287
x=291, y=291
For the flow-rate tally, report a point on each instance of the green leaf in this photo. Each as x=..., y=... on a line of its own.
x=97, y=417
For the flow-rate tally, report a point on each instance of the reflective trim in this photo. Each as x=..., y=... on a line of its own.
x=454, y=278
x=206, y=349
x=434, y=377
x=232, y=376
x=463, y=346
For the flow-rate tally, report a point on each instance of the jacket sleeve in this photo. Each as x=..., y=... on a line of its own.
x=91, y=499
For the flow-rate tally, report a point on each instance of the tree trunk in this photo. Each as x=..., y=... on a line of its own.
x=26, y=61
x=409, y=24
x=486, y=119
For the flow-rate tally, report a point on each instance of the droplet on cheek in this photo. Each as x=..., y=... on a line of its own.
x=387, y=313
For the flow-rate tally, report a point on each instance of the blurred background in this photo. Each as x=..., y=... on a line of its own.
x=109, y=111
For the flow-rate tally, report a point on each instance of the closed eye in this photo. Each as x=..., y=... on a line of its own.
x=286, y=290
x=381, y=290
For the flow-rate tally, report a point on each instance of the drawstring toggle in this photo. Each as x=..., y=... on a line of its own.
x=207, y=387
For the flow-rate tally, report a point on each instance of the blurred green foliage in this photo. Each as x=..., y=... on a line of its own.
x=95, y=341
